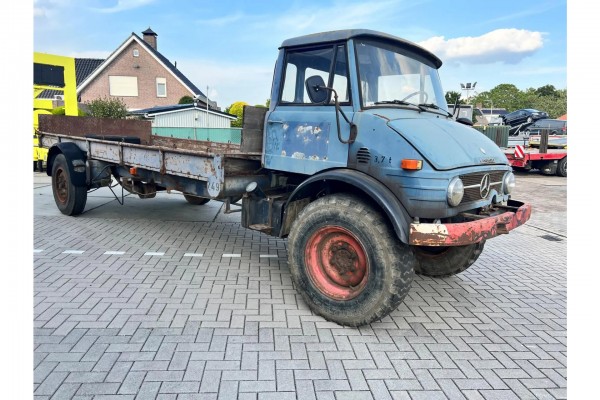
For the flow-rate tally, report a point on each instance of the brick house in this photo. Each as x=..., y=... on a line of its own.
x=141, y=76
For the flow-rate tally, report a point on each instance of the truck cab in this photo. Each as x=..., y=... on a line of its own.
x=358, y=104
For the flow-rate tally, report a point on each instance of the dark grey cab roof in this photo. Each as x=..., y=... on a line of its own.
x=345, y=34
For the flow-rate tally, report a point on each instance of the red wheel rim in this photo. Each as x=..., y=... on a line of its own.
x=337, y=263
x=60, y=185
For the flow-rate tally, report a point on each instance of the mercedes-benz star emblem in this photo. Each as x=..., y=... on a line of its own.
x=484, y=187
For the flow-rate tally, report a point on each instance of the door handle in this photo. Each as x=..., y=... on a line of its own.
x=275, y=122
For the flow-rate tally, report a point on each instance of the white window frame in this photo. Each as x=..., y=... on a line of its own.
x=161, y=81
x=136, y=53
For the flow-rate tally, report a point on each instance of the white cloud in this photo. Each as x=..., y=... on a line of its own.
x=303, y=19
x=89, y=54
x=502, y=45
x=123, y=5
x=224, y=21
x=229, y=82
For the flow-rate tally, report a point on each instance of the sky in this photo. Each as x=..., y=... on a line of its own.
x=229, y=48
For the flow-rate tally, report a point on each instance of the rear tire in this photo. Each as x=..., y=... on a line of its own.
x=441, y=262
x=195, y=200
x=561, y=169
x=69, y=199
x=347, y=262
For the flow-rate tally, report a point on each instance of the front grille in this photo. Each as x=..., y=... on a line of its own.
x=472, y=184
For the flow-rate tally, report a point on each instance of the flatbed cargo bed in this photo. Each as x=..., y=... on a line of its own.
x=129, y=144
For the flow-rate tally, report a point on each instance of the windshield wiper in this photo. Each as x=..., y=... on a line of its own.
x=400, y=102
x=424, y=106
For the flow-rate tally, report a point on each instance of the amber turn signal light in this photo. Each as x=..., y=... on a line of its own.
x=411, y=164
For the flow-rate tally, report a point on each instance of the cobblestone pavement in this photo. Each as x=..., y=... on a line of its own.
x=158, y=299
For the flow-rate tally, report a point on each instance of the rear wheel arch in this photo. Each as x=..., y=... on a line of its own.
x=73, y=155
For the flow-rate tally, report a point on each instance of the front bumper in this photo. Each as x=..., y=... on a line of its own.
x=464, y=233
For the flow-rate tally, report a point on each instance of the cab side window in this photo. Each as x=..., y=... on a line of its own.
x=330, y=63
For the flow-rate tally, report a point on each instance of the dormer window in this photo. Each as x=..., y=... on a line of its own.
x=136, y=53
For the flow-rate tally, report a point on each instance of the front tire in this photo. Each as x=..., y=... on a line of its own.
x=347, y=262
x=441, y=262
x=69, y=199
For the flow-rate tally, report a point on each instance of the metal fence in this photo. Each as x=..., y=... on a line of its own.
x=221, y=135
x=497, y=133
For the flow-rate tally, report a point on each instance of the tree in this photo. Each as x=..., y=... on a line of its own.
x=107, y=108
x=555, y=104
x=547, y=90
x=237, y=109
x=452, y=97
x=507, y=96
x=545, y=98
x=186, y=100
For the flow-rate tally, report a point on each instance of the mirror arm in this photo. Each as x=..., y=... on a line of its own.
x=338, y=111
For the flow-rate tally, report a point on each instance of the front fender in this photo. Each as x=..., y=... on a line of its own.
x=369, y=186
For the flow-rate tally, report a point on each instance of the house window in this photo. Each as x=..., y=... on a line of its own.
x=123, y=86
x=136, y=53
x=161, y=87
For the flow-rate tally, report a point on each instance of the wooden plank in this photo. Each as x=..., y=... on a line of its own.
x=252, y=129
x=85, y=126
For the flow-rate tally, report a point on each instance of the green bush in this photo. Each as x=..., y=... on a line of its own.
x=237, y=109
x=186, y=100
x=107, y=108
x=61, y=111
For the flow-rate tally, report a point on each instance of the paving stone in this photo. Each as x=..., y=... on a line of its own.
x=216, y=327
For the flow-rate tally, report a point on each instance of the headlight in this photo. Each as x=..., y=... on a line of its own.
x=456, y=191
x=509, y=182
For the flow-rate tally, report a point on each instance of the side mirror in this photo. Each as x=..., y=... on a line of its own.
x=315, y=87
x=465, y=121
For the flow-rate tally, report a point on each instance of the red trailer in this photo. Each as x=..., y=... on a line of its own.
x=549, y=161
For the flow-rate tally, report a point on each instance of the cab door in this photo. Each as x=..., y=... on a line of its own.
x=301, y=135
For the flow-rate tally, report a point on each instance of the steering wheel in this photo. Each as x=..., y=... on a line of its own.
x=416, y=93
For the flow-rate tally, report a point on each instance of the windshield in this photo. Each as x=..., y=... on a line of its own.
x=389, y=75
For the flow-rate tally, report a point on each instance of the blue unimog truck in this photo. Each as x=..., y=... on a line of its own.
x=357, y=162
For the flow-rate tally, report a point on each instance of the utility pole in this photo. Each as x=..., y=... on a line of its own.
x=468, y=87
x=207, y=108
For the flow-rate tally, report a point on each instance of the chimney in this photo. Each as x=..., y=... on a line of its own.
x=150, y=38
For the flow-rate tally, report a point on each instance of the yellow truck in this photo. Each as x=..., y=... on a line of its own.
x=56, y=73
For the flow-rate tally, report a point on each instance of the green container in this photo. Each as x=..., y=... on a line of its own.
x=220, y=135
x=497, y=133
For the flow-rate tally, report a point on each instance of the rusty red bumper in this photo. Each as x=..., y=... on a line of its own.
x=463, y=233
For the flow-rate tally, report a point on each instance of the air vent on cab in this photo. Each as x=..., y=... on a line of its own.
x=363, y=156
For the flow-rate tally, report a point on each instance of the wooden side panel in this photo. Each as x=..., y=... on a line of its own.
x=252, y=129
x=86, y=126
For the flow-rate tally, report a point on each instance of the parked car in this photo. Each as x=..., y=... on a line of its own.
x=554, y=127
x=557, y=132
x=526, y=115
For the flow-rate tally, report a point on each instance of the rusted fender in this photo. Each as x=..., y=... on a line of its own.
x=464, y=233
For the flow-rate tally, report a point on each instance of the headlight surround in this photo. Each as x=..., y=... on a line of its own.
x=456, y=190
x=509, y=182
